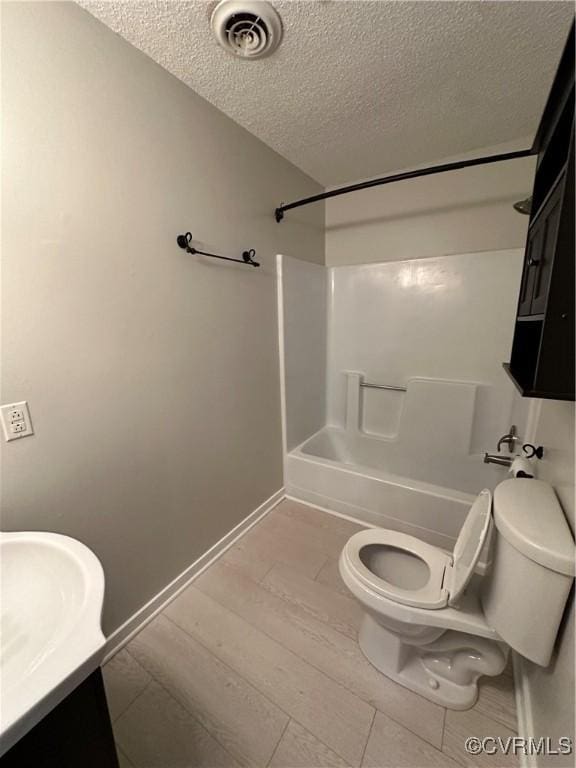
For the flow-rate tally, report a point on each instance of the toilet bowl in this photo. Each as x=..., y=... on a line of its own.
x=410, y=590
x=434, y=624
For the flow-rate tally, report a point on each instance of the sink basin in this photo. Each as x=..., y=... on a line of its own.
x=51, y=594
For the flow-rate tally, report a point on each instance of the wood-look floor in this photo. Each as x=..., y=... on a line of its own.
x=257, y=664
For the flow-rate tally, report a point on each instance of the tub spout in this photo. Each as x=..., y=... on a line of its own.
x=493, y=458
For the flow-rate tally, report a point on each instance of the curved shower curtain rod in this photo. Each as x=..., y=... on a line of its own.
x=279, y=212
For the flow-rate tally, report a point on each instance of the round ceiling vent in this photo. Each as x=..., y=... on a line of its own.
x=250, y=30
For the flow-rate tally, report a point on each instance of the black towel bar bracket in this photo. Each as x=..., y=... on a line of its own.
x=247, y=256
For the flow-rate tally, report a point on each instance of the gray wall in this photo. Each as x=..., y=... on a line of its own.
x=152, y=375
x=552, y=689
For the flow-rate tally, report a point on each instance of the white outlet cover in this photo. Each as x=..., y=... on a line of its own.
x=16, y=421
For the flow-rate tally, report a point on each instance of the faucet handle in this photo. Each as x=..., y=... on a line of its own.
x=510, y=439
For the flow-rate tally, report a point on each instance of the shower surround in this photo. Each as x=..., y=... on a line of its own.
x=437, y=329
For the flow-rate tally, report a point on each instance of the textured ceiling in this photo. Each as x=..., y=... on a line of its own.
x=361, y=88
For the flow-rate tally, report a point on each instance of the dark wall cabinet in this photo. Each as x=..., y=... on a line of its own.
x=542, y=359
x=540, y=248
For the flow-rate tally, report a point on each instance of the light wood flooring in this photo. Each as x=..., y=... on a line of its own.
x=256, y=663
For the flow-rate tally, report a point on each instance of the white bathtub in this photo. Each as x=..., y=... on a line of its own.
x=370, y=479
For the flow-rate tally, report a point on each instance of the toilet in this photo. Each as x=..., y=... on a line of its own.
x=435, y=622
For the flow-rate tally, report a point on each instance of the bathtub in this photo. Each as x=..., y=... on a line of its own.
x=372, y=480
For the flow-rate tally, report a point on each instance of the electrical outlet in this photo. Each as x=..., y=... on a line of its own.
x=16, y=414
x=16, y=420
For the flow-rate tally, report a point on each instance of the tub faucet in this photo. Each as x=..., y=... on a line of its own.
x=510, y=439
x=494, y=458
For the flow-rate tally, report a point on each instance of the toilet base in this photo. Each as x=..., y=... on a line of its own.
x=445, y=670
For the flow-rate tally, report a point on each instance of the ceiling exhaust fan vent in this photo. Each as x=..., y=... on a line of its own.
x=249, y=30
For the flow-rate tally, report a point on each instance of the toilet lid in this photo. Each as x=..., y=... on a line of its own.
x=469, y=545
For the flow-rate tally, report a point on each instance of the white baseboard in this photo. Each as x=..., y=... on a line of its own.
x=121, y=636
x=523, y=709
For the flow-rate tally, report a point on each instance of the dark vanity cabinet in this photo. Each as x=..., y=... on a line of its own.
x=542, y=359
x=77, y=733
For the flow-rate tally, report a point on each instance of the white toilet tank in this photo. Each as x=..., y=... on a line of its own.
x=525, y=591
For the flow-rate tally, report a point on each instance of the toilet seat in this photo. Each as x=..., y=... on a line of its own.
x=431, y=595
x=448, y=575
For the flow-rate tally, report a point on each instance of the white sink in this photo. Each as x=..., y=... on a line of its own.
x=51, y=594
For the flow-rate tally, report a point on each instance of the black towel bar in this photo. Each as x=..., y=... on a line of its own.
x=247, y=256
